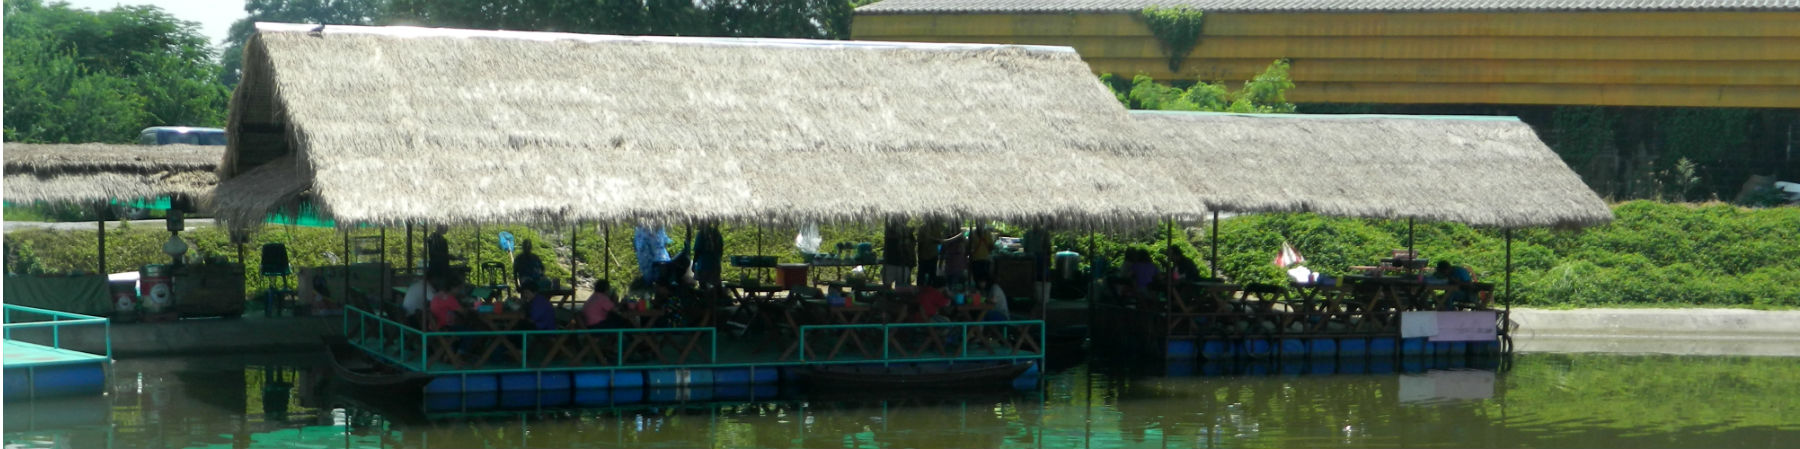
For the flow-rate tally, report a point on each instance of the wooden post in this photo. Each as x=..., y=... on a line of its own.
x=1410, y=252
x=102, y=222
x=1215, y=245
x=1507, y=299
x=574, y=251
x=606, y=251
x=409, y=247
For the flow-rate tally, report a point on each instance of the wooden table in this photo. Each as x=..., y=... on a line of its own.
x=747, y=294
x=563, y=298
x=499, y=321
x=848, y=314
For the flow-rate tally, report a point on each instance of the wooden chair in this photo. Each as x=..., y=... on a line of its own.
x=443, y=347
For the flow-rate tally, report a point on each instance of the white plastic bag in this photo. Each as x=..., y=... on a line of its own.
x=807, y=241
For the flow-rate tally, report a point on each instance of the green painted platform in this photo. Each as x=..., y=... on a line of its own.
x=26, y=355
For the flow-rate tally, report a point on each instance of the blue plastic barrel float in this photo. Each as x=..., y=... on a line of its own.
x=672, y=378
x=1217, y=350
x=591, y=397
x=1180, y=349
x=1352, y=347
x=463, y=383
x=1256, y=348
x=627, y=379
x=1293, y=347
x=1413, y=347
x=1322, y=348
x=1353, y=365
x=592, y=380
x=55, y=380
x=1383, y=346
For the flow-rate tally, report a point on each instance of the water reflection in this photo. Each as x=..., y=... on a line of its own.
x=1544, y=400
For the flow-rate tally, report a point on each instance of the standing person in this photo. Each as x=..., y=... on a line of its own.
x=437, y=254
x=956, y=258
x=709, y=257
x=528, y=268
x=1037, y=243
x=897, y=254
x=981, y=249
x=927, y=239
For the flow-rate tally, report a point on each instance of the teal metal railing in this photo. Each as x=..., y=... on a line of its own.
x=433, y=351
x=925, y=342
x=436, y=352
x=22, y=317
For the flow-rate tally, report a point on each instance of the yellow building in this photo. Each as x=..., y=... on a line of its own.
x=1720, y=53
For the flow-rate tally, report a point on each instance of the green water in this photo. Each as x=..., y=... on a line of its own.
x=1542, y=400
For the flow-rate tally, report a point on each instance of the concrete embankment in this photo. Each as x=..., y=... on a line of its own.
x=1659, y=331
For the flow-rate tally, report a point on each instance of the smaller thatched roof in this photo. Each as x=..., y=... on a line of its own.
x=1486, y=171
x=99, y=172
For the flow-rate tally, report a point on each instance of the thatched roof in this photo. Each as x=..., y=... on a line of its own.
x=385, y=125
x=98, y=172
x=1388, y=6
x=1489, y=171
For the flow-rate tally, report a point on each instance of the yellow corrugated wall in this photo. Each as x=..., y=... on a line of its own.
x=1728, y=59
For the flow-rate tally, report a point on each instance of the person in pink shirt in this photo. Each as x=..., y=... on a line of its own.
x=444, y=307
x=597, y=312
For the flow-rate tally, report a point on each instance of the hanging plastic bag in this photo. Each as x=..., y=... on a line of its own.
x=807, y=241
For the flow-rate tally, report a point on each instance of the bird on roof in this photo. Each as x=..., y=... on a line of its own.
x=317, y=31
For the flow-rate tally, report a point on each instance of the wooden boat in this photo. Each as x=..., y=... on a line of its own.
x=934, y=375
x=357, y=368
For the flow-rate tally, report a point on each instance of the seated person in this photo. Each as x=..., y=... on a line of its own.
x=1185, y=268
x=932, y=299
x=444, y=307
x=537, y=306
x=597, y=312
x=997, y=297
x=1456, y=276
x=417, y=296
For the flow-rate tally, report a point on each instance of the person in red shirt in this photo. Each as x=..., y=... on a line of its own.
x=931, y=299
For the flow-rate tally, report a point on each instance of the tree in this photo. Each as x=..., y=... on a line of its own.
x=331, y=12
x=74, y=75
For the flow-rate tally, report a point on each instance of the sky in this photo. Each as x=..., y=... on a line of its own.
x=215, y=16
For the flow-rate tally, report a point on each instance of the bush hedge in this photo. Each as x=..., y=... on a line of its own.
x=1654, y=254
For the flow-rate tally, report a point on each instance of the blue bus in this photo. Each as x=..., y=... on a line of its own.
x=165, y=135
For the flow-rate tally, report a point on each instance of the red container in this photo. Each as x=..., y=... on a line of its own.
x=158, y=293
x=790, y=275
